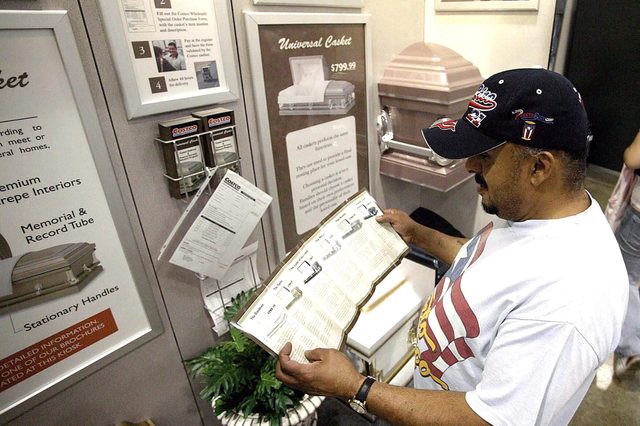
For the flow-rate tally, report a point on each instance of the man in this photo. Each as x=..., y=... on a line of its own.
x=174, y=58
x=161, y=62
x=516, y=329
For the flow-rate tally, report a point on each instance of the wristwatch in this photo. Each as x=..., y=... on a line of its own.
x=359, y=402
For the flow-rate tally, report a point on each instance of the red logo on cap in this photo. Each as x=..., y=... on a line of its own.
x=446, y=125
x=483, y=100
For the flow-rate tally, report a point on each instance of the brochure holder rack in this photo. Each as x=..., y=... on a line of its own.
x=193, y=174
x=216, y=293
x=213, y=176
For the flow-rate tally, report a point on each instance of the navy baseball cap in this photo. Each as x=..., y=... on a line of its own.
x=532, y=107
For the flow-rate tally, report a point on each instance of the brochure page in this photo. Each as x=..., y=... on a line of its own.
x=314, y=296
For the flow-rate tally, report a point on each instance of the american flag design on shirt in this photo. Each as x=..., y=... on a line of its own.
x=446, y=320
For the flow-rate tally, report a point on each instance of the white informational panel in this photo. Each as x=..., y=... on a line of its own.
x=74, y=292
x=171, y=54
x=312, y=85
x=335, y=140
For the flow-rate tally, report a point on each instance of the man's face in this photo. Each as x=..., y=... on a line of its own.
x=501, y=175
x=173, y=51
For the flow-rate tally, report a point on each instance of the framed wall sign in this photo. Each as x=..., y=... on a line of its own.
x=171, y=54
x=73, y=291
x=319, y=3
x=311, y=77
x=484, y=5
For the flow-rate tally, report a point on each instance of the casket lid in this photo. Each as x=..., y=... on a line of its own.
x=430, y=67
x=50, y=259
x=308, y=69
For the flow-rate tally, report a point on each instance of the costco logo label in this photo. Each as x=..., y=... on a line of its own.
x=181, y=131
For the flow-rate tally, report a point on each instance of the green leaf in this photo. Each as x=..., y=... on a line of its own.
x=268, y=380
x=237, y=303
x=247, y=406
x=239, y=339
x=241, y=376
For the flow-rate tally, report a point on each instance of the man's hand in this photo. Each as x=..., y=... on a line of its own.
x=401, y=222
x=330, y=373
x=442, y=246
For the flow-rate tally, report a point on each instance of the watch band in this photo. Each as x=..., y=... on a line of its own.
x=364, y=389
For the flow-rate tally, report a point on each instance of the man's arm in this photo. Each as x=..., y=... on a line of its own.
x=408, y=406
x=632, y=154
x=443, y=246
x=331, y=373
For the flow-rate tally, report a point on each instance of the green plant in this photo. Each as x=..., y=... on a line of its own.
x=240, y=375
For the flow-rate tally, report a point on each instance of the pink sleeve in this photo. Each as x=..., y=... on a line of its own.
x=619, y=199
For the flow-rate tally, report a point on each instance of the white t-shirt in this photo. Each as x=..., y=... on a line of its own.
x=524, y=317
x=177, y=62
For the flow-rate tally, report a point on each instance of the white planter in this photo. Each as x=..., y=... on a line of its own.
x=303, y=415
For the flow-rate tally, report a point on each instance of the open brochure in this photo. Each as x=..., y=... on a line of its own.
x=314, y=296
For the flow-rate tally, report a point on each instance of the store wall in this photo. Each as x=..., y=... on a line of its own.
x=494, y=41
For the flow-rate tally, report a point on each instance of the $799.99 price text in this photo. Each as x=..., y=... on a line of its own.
x=343, y=66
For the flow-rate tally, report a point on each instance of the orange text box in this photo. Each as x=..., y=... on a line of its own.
x=47, y=352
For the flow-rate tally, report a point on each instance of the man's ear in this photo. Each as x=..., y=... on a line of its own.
x=544, y=163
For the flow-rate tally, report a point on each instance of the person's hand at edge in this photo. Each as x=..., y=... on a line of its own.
x=401, y=222
x=329, y=373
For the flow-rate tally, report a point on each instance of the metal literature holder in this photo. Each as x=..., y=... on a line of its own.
x=210, y=162
x=212, y=177
x=196, y=203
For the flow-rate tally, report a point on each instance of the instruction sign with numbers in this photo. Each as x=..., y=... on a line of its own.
x=168, y=50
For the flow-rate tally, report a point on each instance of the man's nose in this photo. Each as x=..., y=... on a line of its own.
x=472, y=164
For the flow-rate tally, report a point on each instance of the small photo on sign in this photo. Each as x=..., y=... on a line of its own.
x=169, y=55
x=207, y=74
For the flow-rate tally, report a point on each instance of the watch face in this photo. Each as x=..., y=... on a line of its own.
x=357, y=406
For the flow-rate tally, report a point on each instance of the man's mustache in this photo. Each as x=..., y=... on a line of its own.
x=480, y=181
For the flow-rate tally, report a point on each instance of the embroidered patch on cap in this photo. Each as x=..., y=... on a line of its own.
x=483, y=100
x=531, y=116
x=445, y=125
x=530, y=119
